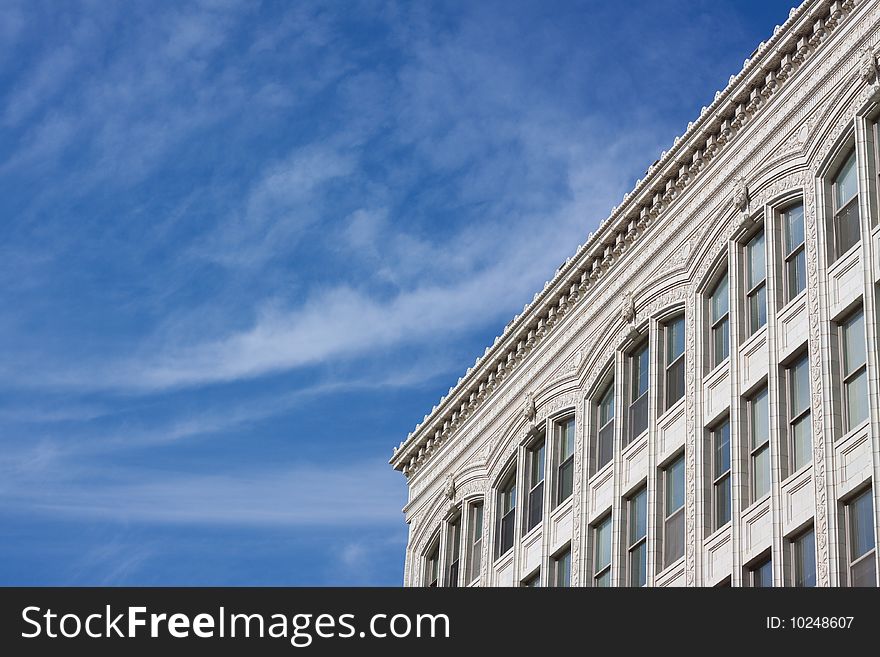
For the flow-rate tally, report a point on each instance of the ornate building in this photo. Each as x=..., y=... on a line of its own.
x=693, y=399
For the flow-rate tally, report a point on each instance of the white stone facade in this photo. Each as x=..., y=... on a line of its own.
x=778, y=136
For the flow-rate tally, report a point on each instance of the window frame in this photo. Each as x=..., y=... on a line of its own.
x=476, y=510
x=506, y=492
x=796, y=416
x=561, y=557
x=757, y=450
x=797, y=254
x=755, y=289
x=721, y=323
x=604, y=429
x=838, y=210
x=794, y=555
x=602, y=572
x=634, y=400
x=722, y=478
x=861, y=371
x=756, y=566
x=452, y=568
x=534, y=512
x=431, y=574
x=564, y=466
x=669, y=516
x=673, y=364
x=871, y=553
x=635, y=543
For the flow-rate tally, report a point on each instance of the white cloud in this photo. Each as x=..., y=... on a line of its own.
x=297, y=495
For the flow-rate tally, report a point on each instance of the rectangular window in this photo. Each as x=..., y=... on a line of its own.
x=860, y=540
x=506, y=514
x=562, y=569
x=719, y=306
x=638, y=398
x=673, y=512
x=475, y=541
x=453, y=551
x=759, y=444
x=855, y=375
x=602, y=553
x=795, y=279
x=674, y=331
x=803, y=559
x=721, y=474
x=756, y=283
x=565, y=459
x=845, y=199
x=532, y=582
x=432, y=564
x=800, y=434
x=637, y=532
x=605, y=422
x=761, y=574
x=535, y=469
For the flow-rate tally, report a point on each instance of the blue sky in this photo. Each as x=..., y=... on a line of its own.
x=245, y=246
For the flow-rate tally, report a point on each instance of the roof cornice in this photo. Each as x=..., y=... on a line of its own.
x=762, y=75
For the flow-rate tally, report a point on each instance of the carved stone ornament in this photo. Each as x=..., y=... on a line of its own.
x=628, y=308
x=529, y=411
x=741, y=195
x=449, y=488
x=868, y=70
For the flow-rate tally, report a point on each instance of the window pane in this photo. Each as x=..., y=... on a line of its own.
x=477, y=522
x=757, y=309
x=853, y=343
x=563, y=570
x=861, y=525
x=794, y=227
x=862, y=573
x=604, y=580
x=675, y=382
x=638, y=417
x=603, y=545
x=566, y=439
x=673, y=538
x=721, y=438
x=801, y=442
x=638, y=565
x=606, y=406
x=800, y=386
x=846, y=227
x=722, y=502
x=759, y=419
x=846, y=183
x=721, y=342
x=857, y=399
x=761, y=473
x=796, y=271
x=805, y=560
x=762, y=575
x=720, y=300
x=674, y=339
x=566, y=480
x=755, y=255
x=508, y=496
x=640, y=372
x=675, y=486
x=638, y=516
x=536, y=465
x=536, y=506
x=606, y=444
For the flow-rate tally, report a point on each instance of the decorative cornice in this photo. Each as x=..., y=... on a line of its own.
x=747, y=93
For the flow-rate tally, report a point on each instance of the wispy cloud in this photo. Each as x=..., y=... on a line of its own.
x=297, y=495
